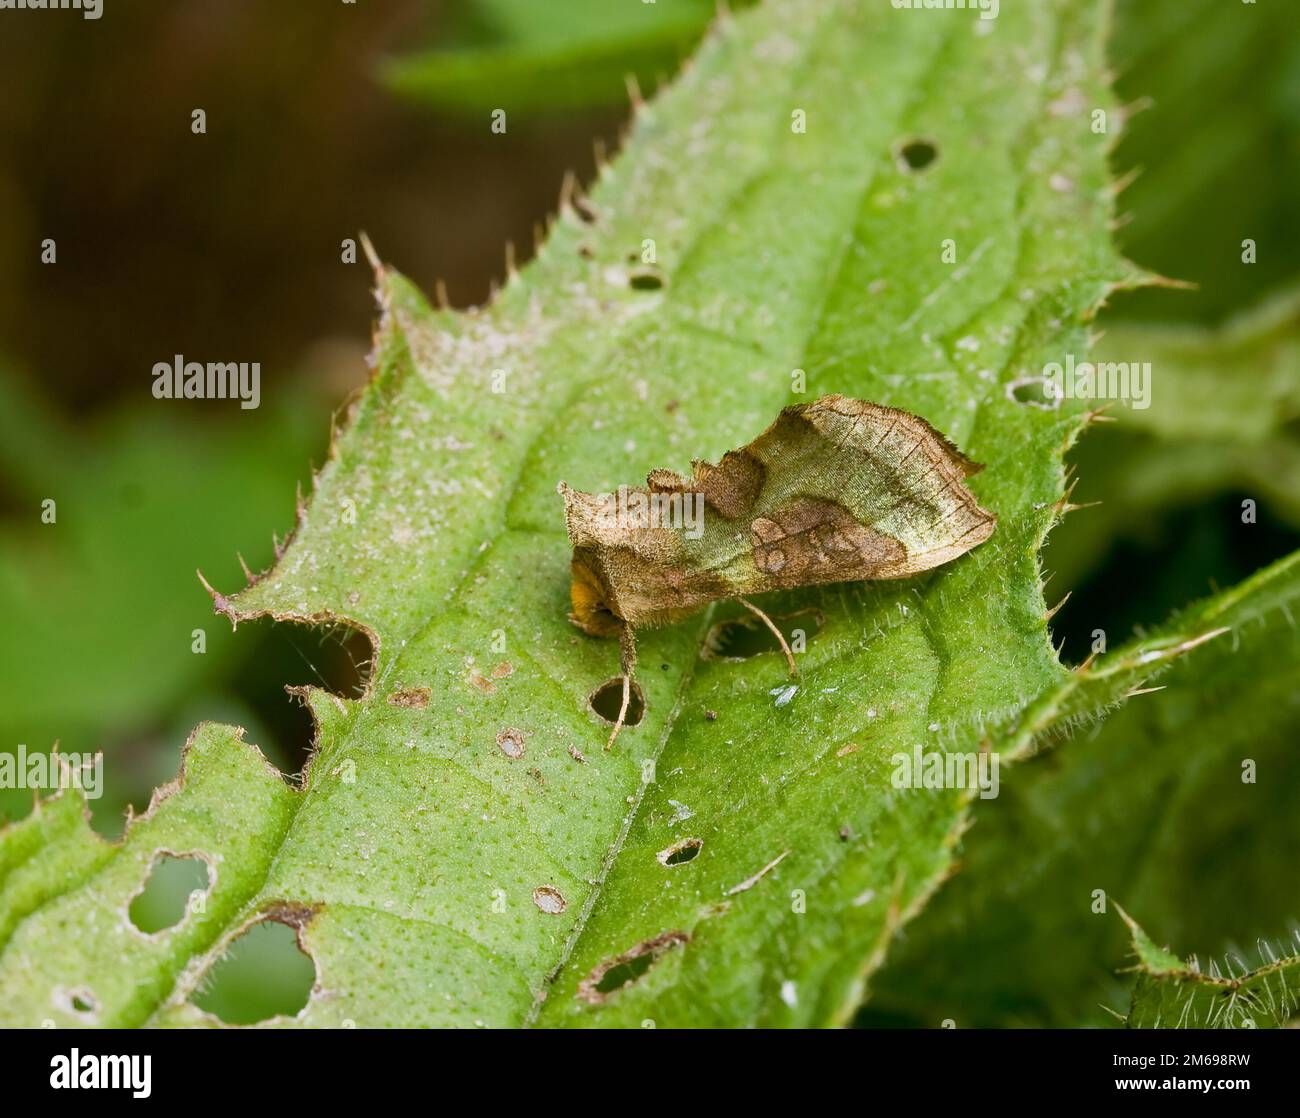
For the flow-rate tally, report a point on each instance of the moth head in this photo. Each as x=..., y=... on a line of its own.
x=622, y=573
x=593, y=611
x=586, y=517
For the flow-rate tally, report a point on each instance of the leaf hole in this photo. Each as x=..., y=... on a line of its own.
x=80, y=1001
x=622, y=970
x=623, y=974
x=608, y=698
x=916, y=154
x=337, y=657
x=645, y=279
x=743, y=637
x=265, y=972
x=169, y=891
x=680, y=852
x=1032, y=391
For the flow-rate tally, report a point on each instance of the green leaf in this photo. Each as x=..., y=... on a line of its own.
x=1171, y=994
x=525, y=60
x=71, y=954
x=1223, y=408
x=450, y=860
x=1239, y=381
x=1217, y=148
x=1157, y=806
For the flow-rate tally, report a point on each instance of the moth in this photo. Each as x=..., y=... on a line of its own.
x=837, y=490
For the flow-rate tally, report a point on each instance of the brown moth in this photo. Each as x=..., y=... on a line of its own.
x=838, y=490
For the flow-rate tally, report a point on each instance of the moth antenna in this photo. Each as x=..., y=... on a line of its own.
x=627, y=665
x=789, y=656
x=627, y=650
x=622, y=713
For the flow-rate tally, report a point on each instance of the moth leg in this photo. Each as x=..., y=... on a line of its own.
x=627, y=664
x=789, y=656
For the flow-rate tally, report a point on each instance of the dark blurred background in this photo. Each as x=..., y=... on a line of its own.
x=325, y=119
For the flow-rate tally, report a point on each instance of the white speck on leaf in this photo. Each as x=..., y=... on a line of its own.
x=784, y=693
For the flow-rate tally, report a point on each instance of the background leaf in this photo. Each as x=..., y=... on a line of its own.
x=69, y=957
x=1222, y=423
x=1151, y=807
x=1217, y=147
x=1169, y=993
x=517, y=53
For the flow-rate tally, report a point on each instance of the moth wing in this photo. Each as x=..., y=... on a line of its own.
x=878, y=478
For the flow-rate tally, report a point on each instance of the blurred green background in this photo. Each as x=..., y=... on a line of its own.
x=327, y=119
